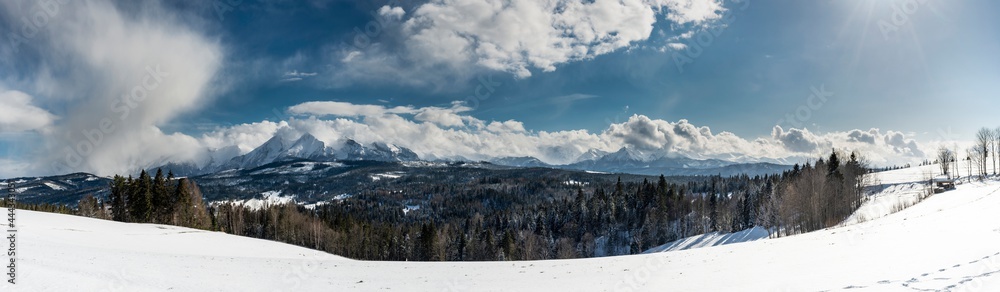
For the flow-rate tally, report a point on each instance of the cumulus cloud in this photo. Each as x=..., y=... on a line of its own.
x=514, y=36
x=901, y=144
x=18, y=114
x=120, y=76
x=345, y=109
x=464, y=136
x=244, y=136
x=691, y=11
x=391, y=13
x=509, y=126
x=462, y=36
x=863, y=136
x=797, y=140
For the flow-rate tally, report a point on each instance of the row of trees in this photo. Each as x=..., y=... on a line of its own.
x=159, y=199
x=498, y=218
x=512, y=218
x=819, y=196
x=987, y=143
x=979, y=157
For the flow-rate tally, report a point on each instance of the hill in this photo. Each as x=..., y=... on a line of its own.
x=950, y=241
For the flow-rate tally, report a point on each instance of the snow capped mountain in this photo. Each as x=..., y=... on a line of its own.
x=626, y=154
x=630, y=160
x=352, y=150
x=220, y=156
x=524, y=161
x=281, y=148
x=266, y=153
x=626, y=160
x=307, y=146
x=592, y=154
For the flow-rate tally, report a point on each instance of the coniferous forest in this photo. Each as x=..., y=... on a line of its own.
x=503, y=218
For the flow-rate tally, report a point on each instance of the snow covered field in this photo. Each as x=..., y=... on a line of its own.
x=950, y=241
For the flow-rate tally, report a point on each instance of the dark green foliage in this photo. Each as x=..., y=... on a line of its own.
x=160, y=199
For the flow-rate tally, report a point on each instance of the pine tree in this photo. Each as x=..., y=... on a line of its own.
x=161, y=199
x=119, y=210
x=140, y=198
x=834, y=163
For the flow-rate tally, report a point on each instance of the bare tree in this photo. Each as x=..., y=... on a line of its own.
x=958, y=165
x=984, y=141
x=944, y=157
x=996, y=148
x=968, y=159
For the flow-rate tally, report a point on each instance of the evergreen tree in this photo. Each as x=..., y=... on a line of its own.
x=119, y=210
x=834, y=163
x=161, y=199
x=140, y=199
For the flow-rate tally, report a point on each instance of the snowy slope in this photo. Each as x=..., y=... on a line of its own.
x=712, y=239
x=950, y=241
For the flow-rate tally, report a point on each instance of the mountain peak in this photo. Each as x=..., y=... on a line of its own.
x=306, y=146
x=592, y=154
x=626, y=154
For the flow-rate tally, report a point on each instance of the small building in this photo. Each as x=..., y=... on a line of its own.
x=943, y=183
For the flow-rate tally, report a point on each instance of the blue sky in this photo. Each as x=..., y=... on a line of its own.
x=909, y=74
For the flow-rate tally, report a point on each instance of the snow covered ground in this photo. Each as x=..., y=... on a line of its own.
x=712, y=239
x=268, y=198
x=949, y=242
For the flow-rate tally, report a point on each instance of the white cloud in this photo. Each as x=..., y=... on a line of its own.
x=350, y=56
x=515, y=36
x=296, y=73
x=120, y=76
x=461, y=135
x=18, y=114
x=345, y=109
x=692, y=11
x=509, y=126
x=392, y=13
x=245, y=136
x=677, y=46
x=798, y=140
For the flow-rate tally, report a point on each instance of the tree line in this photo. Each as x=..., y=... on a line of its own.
x=511, y=218
x=533, y=218
x=158, y=199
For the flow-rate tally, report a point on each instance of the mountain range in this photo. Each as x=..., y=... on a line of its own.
x=626, y=160
x=278, y=149
x=629, y=160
